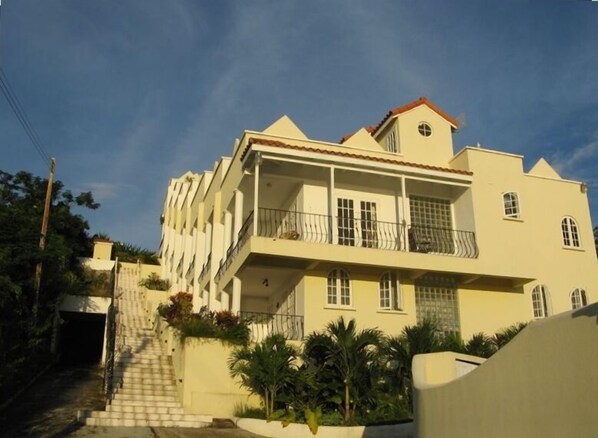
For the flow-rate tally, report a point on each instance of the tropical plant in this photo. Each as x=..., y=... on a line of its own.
x=179, y=308
x=504, y=336
x=266, y=369
x=154, y=282
x=400, y=350
x=223, y=325
x=480, y=345
x=127, y=252
x=346, y=359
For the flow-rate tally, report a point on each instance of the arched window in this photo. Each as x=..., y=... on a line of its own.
x=578, y=298
x=339, y=288
x=390, y=292
x=540, y=301
x=570, y=232
x=511, y=205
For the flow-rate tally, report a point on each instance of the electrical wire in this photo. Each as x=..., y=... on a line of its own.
x=21, y=115
x=18, y=109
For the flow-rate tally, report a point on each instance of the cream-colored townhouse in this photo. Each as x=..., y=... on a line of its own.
x=388, y=226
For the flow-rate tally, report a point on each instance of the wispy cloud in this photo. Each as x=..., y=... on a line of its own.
x=578, y=163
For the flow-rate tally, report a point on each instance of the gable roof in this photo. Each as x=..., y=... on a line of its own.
x=421, y=101
x=373, y=129
x=323, y=150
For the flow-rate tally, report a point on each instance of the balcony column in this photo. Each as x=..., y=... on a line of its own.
x=403, y=221
x=228, y=219
x=256, y=185
x=238, y=220
x=332, y=232
x=208, y=241
x=236, y=304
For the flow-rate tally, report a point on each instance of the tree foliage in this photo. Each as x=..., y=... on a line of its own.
x=24, y=338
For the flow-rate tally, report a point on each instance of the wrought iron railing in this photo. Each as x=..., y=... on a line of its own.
x=206, y=267
x=234, y=248
x=442, y=241
x=264, y=324
x=367, y=233
x=111, y=335
x=351, y=231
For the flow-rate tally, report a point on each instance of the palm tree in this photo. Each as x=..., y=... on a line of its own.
x=400, y=350
x=265, y=369
x=504, y=336
x=346, y=356
x=480, y=345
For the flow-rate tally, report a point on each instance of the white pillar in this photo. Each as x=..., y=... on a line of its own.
x=256, y=184
x=332, y=232
x=226, y=241
x=208, y=241
x=236, y=305
x=238, y=223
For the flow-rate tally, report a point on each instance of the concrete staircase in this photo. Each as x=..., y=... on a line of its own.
x=145, y=392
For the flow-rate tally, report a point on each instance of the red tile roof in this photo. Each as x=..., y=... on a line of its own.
x=401, y=109
x=323, y=150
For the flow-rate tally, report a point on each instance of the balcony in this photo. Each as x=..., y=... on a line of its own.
x=366, y=233
x=348, y=231
x=262, y=325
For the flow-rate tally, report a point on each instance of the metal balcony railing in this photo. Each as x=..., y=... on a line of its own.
x=352, y=231
x=264, y=324
x=366, y=233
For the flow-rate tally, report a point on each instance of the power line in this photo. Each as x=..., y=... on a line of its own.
x=18, y=109
x=21, y=115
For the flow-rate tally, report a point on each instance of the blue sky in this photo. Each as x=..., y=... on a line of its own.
x=127, y=94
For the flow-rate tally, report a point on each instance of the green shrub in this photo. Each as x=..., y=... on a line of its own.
x=178, y=309
x=154, y=282
x=222, y=325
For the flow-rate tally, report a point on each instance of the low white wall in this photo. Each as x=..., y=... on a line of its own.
x=85, y=304
x=543, y=383
x=97, y=264
x=274, y=429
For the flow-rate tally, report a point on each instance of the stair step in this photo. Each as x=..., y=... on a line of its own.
x=149, y=398
x=145, y=409
x=145, y=403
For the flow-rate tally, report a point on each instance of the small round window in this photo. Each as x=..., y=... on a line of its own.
x=424, y=129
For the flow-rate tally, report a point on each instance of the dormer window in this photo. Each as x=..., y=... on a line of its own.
x=425, y=129
x=391, y=142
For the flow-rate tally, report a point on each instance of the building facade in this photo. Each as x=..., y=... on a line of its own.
x=388, y=226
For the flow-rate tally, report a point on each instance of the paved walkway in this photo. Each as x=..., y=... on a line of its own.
x=48, y=409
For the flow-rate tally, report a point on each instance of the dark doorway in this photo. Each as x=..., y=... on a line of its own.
x=81, y=338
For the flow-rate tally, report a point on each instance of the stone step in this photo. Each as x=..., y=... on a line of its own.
x=112, y=422
x=144, y=397
x=141, y=374
x=150, y=416
x=155, y=390
x=145, y=403
x=145, y=409
x=158, y=380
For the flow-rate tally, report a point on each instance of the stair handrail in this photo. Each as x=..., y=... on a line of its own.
x=111, y=338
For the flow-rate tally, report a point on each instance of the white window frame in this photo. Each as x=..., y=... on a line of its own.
x=570, y=232
x=391, y=141
x=338, y=288
x=578, y=298
x=389, y=292
x=541, y=301
x=511, y=205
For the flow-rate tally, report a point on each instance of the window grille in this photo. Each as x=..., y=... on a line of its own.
x=578, y=298
x=540, y=301
x=338, y=288
x=570, y=232
x=511, y=205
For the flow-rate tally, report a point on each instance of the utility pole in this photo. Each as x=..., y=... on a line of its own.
x=42, y=239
